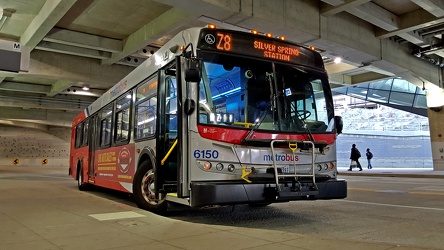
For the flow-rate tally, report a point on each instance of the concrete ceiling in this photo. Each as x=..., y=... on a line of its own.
x=74, y=43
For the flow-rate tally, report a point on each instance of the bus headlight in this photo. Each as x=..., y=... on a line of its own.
x=220, y=166
x=325, y=166
x=207, y=165
x=319, y=167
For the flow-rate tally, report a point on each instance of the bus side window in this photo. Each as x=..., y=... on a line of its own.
x=123, y=106
x=85, y=133
x=78, y=141
x=146, y=109
x=146, y=118
x=105, y=126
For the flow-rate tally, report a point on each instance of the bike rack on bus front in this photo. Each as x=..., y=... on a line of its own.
x=293, y=146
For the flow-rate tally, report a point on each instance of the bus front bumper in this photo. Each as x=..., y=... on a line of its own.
x=227, y=193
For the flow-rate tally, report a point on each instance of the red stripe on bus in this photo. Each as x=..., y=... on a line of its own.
x=235, y=136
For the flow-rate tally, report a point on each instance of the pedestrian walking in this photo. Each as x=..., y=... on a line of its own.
x=369, y=158
x=354, y=156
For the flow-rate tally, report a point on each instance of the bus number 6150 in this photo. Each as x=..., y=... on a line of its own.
x=206, y=154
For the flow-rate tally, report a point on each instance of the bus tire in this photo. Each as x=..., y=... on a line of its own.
x=144, y=190
x=80, y=183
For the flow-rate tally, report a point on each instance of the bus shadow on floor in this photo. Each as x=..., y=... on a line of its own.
x=241, y=216
x=228, y=215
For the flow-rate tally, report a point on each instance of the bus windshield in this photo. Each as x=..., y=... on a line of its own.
x=239, y=92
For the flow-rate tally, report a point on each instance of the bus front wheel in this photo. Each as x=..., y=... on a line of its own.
x=144, y=190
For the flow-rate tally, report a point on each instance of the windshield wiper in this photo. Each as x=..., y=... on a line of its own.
x=271, y=106
x=258, y=123
x=276, y=104
x=300, y=118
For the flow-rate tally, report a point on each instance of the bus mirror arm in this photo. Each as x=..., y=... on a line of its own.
x=192, y=73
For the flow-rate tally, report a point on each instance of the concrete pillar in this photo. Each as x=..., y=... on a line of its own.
x=435, y=112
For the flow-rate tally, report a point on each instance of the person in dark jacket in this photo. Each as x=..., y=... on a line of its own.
x=354, y=156
x=369, y=158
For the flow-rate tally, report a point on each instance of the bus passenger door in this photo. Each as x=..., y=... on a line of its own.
x=92, y=145
x=167, y=145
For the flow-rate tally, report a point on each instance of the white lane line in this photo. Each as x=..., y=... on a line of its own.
x=116, y=216
x=33, y=175
x=392, y=205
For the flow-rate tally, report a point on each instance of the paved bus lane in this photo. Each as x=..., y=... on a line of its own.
x=41, y=208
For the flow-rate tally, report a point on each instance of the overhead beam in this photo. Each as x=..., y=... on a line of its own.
x=51, y=12
x=23, y=124
x=414, y=38
x=72, y=50
x=379, y=17
x=25, y=87
x=82, y=40
x=384, y=19
x=59, y=86
x=58, y=66
x=78, y=91
x=340, y=79
x=369, y=12
x=334, y=68
x=149, y=33
x=55, y=117
x=75, y=92
x=347, y=5
x=411, y=21
x=368, y=77
x=345, y=80
x=435, y=7
x=35, y=103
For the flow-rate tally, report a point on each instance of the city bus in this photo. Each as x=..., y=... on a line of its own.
x=214, y=117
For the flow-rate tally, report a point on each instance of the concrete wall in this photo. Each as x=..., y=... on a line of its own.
x=31, y=147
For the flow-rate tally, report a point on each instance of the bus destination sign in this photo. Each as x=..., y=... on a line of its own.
x=257, y=46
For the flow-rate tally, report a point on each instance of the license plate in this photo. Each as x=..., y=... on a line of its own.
x=286, y=169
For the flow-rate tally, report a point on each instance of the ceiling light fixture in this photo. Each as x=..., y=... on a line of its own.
x=338, y=59
x=85, y=87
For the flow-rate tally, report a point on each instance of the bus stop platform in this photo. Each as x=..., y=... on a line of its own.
x=392, y=172
x=41, y=208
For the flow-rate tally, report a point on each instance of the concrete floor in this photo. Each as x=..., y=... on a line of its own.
x=41, y=208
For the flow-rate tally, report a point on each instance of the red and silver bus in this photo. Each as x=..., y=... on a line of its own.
x=214, y=117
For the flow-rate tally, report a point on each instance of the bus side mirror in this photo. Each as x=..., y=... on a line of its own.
x=190, y=105
x=339, y=124
x=192, y=73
